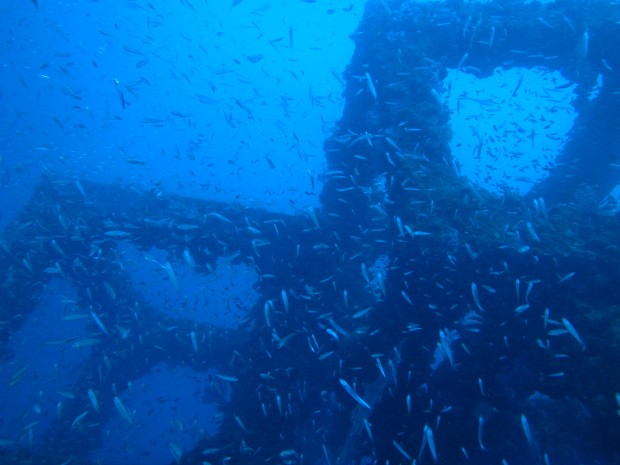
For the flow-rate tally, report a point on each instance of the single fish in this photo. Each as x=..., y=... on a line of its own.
x=122, y=410
x=353, y=394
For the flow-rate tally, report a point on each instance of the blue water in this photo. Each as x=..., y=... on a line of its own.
x=309, y=232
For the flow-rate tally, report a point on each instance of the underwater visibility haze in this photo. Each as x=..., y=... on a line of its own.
x=310, y=232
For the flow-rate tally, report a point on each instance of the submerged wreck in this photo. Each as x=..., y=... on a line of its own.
x=470, y=326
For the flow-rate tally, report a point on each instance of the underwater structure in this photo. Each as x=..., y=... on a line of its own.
x=414, y=318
